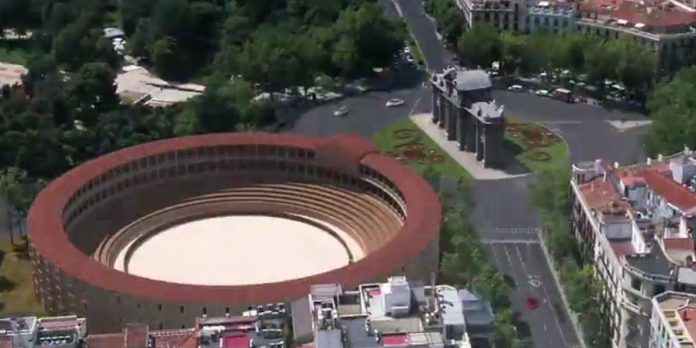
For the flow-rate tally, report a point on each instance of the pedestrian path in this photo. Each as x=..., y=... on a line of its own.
x=465, y=159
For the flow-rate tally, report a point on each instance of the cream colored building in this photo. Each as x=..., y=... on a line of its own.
x=673, y=321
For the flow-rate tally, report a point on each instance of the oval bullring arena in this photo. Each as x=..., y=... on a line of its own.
x=167, y=231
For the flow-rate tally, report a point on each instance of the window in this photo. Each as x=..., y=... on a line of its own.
x=159, y=307
x=205, y=311
x=635, y=284
x=227, y=310
x=659, y=288
x=181, y=309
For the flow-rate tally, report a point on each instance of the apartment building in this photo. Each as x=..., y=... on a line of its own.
x=502, y=14
x=673, y=321
x=666, y=26
x=30, y=331
x=636, y=224
x=556, y=17
x=397, y=313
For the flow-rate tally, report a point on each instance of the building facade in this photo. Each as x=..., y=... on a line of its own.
x=667, y=27
x=502, y=14
x=673, y=320
x=552, y=17
x=635, y=224
x=464, y=108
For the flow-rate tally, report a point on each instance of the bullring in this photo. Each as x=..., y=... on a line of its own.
x=87, y=226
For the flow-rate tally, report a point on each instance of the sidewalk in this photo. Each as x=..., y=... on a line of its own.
x=465, y=159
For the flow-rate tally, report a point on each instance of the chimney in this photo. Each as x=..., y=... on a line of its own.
x=648, y=161
x=660, y=158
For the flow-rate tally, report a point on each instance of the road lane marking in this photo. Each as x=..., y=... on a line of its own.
x=510, y=241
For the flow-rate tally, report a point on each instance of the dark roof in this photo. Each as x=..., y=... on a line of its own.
x=654, y=263
x=49, y=239
x=471, y=80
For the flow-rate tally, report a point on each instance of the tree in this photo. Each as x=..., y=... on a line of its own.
x=636, y=69
x=673, y=111
x=513, y=49
x=480, y=46
x=91, y=91
x=602, y=61
x=165, y=58
x=19, y=191
x=366, y=38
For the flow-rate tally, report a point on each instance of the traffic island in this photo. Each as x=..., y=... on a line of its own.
x=406, y=142
x=534, y=145
x=16, y=285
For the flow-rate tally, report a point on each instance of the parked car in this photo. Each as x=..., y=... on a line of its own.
x=394, y=102
x=410, y=59
x=407, y=49
x=515, y=88
x=341, y=111
x=542, y=93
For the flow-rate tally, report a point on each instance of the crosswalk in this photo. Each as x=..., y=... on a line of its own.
x=511, y=235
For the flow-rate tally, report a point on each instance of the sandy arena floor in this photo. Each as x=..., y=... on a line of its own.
x=236, y=250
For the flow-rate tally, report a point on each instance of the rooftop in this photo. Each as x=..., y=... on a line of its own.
x=469, y=89
x=11, y=74
x=680, y=311
x=643, y=15
x=649, y=207
x=396, y=313
x=136, y=85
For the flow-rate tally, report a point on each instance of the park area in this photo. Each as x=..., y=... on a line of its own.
x=16, y=285
x=406, y=142
x=534, y=146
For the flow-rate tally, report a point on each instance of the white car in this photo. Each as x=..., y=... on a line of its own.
x=407, y=50
x=341, y=111
x=542, y=93
x=410, y=59
x=515, y=88
x=394, y=102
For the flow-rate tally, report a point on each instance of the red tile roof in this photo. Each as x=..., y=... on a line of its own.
x=186, y=338
x=678, y=243
x=136, y=335
x=115, y=340
x=5, y=342
x=601, y=195
x=650, y=13
x=235, y=341
x=669, y=190
x=688, y=316
x=622, y=248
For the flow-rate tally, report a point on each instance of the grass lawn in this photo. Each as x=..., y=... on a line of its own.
x=536, y=147
x=16, y=285
x=404, y=140
x=416, y=52
x=13, y=52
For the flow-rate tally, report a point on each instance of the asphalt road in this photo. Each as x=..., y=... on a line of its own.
x=505, y=221
x=423, y=30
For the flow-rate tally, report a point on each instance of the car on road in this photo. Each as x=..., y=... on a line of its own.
x=341, y=111
x=531, y=303
x=407, y=49
x=394, y=102
x=515, y=88
x=410, y=59
x=542, y=93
